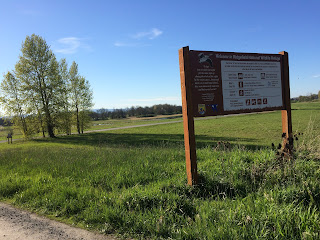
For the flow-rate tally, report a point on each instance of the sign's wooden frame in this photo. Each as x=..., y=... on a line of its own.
x=188, y=112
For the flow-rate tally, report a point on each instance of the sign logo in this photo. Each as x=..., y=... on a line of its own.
x=214, y=107
x=201, y=109
x=205, y=58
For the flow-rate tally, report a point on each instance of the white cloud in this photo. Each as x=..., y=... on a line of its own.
x=69, y=45
x=123, y=44
x=316, y=76
x=152, y=34
x=137, y=39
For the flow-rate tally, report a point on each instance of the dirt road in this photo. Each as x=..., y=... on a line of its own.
x=21, y=225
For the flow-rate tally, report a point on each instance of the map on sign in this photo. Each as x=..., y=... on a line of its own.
x=225, y=82
x=251, y=85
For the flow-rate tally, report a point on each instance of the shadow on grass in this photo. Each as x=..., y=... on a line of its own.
x=305, y=109
x=210, y=189
x=133, y=139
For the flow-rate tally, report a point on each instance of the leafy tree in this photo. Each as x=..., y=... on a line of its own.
x=81, y=97
x=103, y=113
x=42, y=93
x=38, y=70
x=65, y=116
x=13, y=101
x=75, y=94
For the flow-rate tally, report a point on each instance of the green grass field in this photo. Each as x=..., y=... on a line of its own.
x=101, y=124
x=133, y=181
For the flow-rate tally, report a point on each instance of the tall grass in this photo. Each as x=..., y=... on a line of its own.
x=308, y=143
x=141, y=191
x=133, y=182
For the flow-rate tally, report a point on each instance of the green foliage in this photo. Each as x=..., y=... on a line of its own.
x=141, y=191
x=81, y=97
x=37, y=69
x=13, y=101
x=64, y=117
x=37, y=93
x=309, y=98
x=155, y=110
x=133, y=181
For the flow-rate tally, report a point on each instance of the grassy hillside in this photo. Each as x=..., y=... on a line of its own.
x=133, y=181
x=98, y=125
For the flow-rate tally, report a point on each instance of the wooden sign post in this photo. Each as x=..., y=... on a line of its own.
x=221, y=83
x=287, y=143
x=187, y=112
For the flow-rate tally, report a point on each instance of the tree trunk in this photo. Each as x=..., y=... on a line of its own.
x=82, y=126
x=50, y=131
x=24, y=126
x=49, y=123
x=78, y=123
x=41, y=124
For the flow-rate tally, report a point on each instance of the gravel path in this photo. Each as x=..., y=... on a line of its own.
x=16, y=224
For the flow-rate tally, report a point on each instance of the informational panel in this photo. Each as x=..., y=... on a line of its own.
x=220, y=83
x=225, y=83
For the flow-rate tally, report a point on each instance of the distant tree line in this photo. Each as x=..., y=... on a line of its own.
x=43, y=94
x=308, y=98
x=160, y=109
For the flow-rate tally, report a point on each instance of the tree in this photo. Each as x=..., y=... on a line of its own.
x=85, y=103
x=40, y=93
x=38, y=70
x=81, y=97
x=65, y=116
x=13, y=101
x=103, y=113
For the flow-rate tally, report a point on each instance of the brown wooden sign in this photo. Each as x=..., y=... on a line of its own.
x=227, y=83
x=221, y=83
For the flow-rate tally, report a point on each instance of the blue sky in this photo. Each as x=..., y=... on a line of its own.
x=128, y=50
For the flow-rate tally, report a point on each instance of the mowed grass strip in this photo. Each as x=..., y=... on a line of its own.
x=133, y=181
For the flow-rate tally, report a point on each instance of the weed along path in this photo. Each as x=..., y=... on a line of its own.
x=17, y=224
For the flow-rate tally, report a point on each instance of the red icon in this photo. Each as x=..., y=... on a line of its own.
x=253, y=101
x=259, y=101
x=241, y=93
x=265, y=101
x=248, y=102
